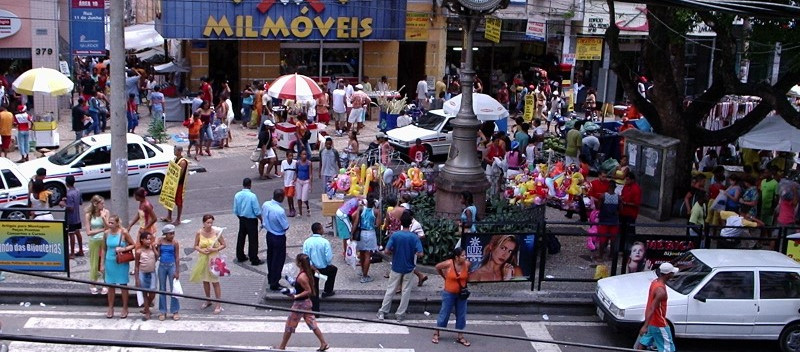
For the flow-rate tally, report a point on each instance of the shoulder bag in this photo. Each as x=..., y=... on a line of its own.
x=463, y=293
x=355, y=235
x=126, y=256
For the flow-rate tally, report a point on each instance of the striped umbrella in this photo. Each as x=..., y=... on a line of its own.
x=296, y=87
x=43, y=80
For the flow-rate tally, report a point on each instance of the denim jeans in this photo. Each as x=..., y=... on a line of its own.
x=166, y=272
x=95, y=121
x=448, y=301
x=24, y=142
x=78, y=134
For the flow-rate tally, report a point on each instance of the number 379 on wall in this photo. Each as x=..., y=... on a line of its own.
x=44, y=51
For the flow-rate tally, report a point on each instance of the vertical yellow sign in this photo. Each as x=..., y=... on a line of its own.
x=530, y=101
x=170, y=187
x=492, y=29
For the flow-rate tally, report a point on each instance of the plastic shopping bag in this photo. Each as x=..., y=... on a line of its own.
x=351, y=255
x=176, y=286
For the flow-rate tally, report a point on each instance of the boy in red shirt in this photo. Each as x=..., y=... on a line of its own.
x=193, y=124
x=630, y=200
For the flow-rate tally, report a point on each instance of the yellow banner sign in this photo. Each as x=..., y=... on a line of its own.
x=417, y=26
x=492, y=29
x=170, y=187
x=589, y=49
x=530, y=101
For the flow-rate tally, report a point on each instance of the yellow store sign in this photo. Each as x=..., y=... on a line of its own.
x=493, y=29
x=417, y=26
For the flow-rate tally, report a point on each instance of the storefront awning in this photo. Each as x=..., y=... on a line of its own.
x=140, y=36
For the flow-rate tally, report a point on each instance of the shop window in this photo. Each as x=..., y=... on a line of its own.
x=338, y=59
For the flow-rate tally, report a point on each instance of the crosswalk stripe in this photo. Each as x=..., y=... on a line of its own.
x=205, y=326
x=45, y=347
x=539, y=331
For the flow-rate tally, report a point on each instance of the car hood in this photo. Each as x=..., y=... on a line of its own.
x=410, y=133
x=29, y=168
x=629, y=291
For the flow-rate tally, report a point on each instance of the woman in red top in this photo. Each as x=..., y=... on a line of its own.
x=302, y=142
x=455, y=272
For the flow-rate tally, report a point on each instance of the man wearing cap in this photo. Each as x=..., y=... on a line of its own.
x=359, y=101
x=384, y=148
x=268, y=156
x=656, y=331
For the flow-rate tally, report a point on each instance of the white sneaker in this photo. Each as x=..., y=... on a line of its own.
x=380, y=316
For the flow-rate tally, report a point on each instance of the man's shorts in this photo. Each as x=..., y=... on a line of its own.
x=659, y=337
x=73, y=227
x=179, y=196
x=339, y=116
x=289, y=191
x=355, y=115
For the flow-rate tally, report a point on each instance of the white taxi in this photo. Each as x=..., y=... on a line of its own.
x=89, y=161
x=434, y=129
x=13, y=190
x=718, y=293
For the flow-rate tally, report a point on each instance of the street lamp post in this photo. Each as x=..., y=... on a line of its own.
x=462, y=171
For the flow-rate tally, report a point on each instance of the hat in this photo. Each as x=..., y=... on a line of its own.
x=531, y=87
x=269, y=123
x=359, y=86
x=21, y=108
x=380, y=135
x=168, y=228
x=667, y=268
x=514, y=145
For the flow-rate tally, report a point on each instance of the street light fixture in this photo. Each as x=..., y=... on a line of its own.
x=462, y=171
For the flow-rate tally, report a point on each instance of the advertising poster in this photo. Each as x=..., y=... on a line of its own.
x=492, y=30
x=528, y=111
x=33, y=245
x=170, y=187
x=648, y=252
x=536, y=30
x=589, y=49
x=417, y=26
x=496, y=257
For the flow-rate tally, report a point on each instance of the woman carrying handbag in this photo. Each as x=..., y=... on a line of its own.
x=115, y=257
x=455, y=293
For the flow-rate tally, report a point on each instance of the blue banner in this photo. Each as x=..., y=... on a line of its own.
x=345, y=20
x=87, y=27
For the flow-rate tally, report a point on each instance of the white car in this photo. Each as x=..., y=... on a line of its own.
x=89, y=160
x=433, y=128
x=718, y=294
x=13, y=190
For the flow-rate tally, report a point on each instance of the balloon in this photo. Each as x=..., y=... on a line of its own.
x=368, y=180
x=363, y=174
x=550, y=186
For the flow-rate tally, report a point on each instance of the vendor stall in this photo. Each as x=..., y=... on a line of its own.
x=286, y=133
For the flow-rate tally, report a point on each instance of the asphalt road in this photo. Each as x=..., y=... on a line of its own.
x=253, y=329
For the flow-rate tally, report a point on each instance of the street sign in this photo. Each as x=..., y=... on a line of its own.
x=87, y=27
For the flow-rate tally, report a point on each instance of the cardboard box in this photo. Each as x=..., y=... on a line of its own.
x=329, y=206
x=44, y=125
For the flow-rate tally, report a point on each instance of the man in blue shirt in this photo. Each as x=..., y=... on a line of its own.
x=405, y=247
x=274, y=220
x=245, y=207
x=72, y=204
x=320, y=253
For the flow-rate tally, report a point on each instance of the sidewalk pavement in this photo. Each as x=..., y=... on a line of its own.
x=247, y=283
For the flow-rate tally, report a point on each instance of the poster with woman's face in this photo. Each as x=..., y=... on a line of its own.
x=496, y=257
x=649, y=251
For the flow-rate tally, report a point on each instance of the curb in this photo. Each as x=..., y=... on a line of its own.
x=573, y=304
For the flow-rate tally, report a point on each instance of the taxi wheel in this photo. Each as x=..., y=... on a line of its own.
x=153, y=184
x=58, y=191
x=790, y=338
x=14, y=214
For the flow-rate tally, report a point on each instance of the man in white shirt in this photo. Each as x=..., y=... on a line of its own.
x=338, y=97
x=403, y=120
x=422, y=90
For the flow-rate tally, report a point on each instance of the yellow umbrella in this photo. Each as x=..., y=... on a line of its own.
x=43, y=80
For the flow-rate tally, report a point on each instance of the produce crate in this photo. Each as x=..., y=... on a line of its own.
x=329, y=206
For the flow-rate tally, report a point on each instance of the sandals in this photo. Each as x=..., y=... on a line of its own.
x=218, y=310
x=124, y=314
x=146, y=316
x=93, y=290
x=422, y=281
x=176, y=317
x=323, y=348
x=205, y=305
x=165, y=219
x=110, y=314
x=463, y=341
x=435, y=338
x=162, y=317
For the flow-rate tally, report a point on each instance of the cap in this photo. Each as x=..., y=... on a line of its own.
x=21, y=108
x=168, y=228
x=514, y=145
x=667, y=268
x=531, y=87
x=380, y=135
x=269, y=123
x=359, y=86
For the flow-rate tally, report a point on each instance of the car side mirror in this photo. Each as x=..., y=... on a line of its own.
x=79, y=164
x=700, y=297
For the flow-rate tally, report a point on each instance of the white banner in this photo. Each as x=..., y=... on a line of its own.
x=536, y=30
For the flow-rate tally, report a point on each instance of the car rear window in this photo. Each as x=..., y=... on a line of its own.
x=11, y=179
x=779, y=285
